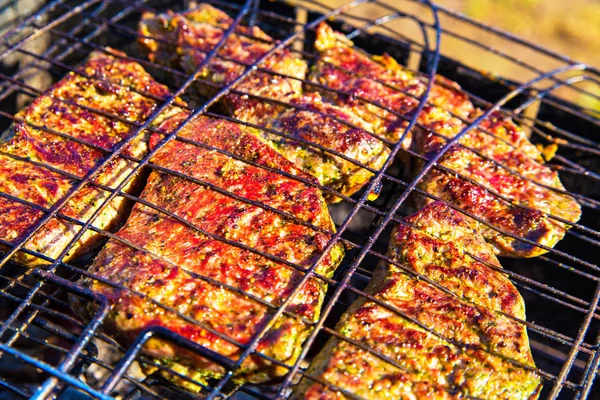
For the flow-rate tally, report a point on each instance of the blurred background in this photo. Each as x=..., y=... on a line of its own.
x=571, y=28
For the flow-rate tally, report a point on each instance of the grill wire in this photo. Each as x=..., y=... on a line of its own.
x=47, y=352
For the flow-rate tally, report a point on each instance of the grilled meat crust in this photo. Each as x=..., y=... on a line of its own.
x=333, y=128
x=370, y=85
x=532, y=222
x=380, y=79
x=105, y=83
x=183, y=40
x=178, y=256
x=195, y=33
x=433, y=242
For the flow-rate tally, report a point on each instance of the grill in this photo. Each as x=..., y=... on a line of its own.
x=47, y=352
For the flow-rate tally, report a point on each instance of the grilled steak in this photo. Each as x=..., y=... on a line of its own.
x=365, y=79
x=192, y=34
x=105, y=83
x=334, y=128
x=467, y=349
x=183, y=40
x=370, y=85
x=179, y=255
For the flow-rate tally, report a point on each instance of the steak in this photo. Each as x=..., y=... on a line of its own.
x=334, y=128
x=372, y=85
x=447, y=337
x=178, y=257
x=183, y=40
x=527, y=186
x=310, y=126
x=47, y=132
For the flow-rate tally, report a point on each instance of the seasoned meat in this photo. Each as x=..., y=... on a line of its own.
x=307, y=117
x=71, y=108
x=186, y=38
x=532, y=223
x=180, y=257
x=333, y=128
x=380, y=79
x=370, y=84
x=468, y=347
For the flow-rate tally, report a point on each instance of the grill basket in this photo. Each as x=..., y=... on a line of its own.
x=46, y=352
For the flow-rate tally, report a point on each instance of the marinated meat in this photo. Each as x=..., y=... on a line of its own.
x=183, y=40
x=179, y=257
x=365, y=80
x=370, y=85
x=333, y=128
x=71, y=111
x=316, y=123
x=445, y=341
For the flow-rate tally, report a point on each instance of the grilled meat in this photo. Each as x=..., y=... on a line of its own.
x=529, y=191
x=179, y=256
x=107, y=84
x=366, y=79
x=372, y=85
x=192, y=34
x=334, y=128
x=468, y=347
x=183, y=40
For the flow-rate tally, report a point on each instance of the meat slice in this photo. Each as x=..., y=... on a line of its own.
x=527, y=183
x=444, y=341
x=312, y=128
x=370, y=85
x=183, y=40
x=333, y=128
x=50, y=131
x=178, y=256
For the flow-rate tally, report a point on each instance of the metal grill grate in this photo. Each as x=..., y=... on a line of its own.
x=46, y=351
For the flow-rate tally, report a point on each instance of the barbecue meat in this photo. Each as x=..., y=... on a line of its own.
x=71, y=108
x=334, y=128
x=372, y=85
x=180, y=257
x=365, y=79
x=185, y=39
x=421, y=330
x=305, y=117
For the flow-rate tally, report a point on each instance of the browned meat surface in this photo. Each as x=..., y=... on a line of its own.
x=192, y=34
x=532, y=223
x=368, y=79
x=370, y=85
x=179, y=256
x=468, y=348
x=186, y=38
x=107, y=84
x=333, y=128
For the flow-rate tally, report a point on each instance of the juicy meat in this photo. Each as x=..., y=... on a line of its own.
x=533, y=222
x=179, y=257
x=468, y=349
x=372, y=85
x=70, y=110
x=380, y=79
x=185, y=39
x=307, y=117
x=334, y=128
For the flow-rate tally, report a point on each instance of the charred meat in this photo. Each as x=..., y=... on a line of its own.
x=447, y=337
x=308, y=128
x=511, y=188
x=211, y=286
x=72, y=128
x=184, y=41
x=335, y=129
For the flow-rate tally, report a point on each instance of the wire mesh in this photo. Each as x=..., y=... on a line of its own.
x=52, y=353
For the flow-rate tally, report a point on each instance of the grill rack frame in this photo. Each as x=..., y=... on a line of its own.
x=389, y=216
